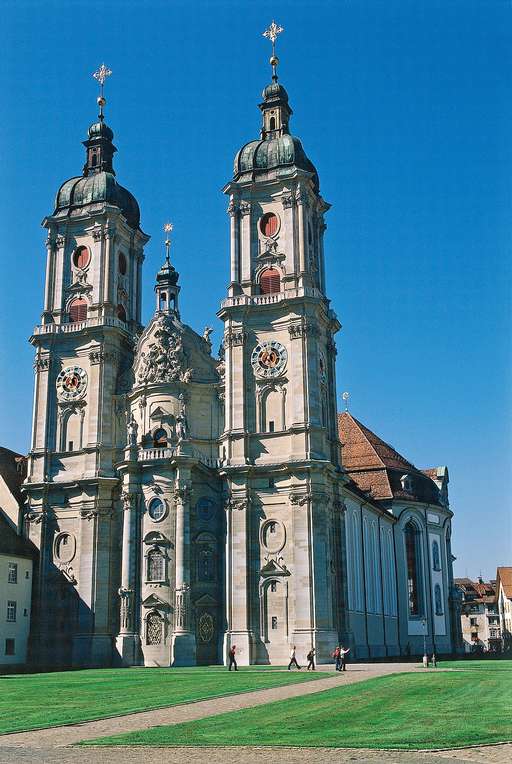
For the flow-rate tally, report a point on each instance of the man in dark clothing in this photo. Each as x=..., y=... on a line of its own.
x=232, y=659
x=311, y=658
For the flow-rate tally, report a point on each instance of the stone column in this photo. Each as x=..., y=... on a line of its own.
x=237, y=604
x=234, y=213
x=183, y=646
x=245, y=211
x=127, y=641
x=48, y=287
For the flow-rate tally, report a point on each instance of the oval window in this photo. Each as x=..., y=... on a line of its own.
x=65, y=547
x=122, y=264
x=269, y=224
x=156, y=509
x=81, y=257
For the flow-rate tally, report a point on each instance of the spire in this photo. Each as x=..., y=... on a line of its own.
x=166, y=287
x=99, y=146
x=275, y=108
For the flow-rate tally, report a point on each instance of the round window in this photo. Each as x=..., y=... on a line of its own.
x=81, y=257
x=65, y=547
x=156, y=509
x=122, y=264
x=269, y=224
x=273, y=536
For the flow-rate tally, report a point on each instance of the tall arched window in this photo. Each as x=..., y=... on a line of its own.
x=77, y=310
x=436, y=558
x=156, y=565
x=413, y=554
x=438, y=600
x=160, y=438
x=270, y=281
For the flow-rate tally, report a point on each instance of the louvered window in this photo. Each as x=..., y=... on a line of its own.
x=78, y=310
x=270, y=281
x=269, y=223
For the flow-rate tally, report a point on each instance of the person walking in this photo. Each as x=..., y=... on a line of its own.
x=232, y=659
x=343, y=660
x=311, y=659
x=337, y=658
x=293, y=659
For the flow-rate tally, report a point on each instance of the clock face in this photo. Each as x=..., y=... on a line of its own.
x=71, y=383
x=269, y=358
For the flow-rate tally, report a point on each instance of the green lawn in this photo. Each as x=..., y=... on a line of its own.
x=417, y=710
x=45, y=700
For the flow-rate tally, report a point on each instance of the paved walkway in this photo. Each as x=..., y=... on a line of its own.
x=51, y=745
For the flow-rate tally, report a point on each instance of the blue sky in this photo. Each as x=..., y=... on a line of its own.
x=406, y=110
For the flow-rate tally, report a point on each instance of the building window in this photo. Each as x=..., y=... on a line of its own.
x=274, y=621
x=438, y=599
x=12, y=574
x=122, y=264
x=9, y=647
x=273, y=586
x=81, y=257
x=272, y=123
x=473, y=622
x=156, y=565
x=270, y=281
x=121, y=313
x=11, y=611
x=436, y=559
x=272, y=527
x=160, y=438
x=269, y=223
x=271, y=426
x=413, y=555
x=154, y=629
x=156, y=509
x=77, y=310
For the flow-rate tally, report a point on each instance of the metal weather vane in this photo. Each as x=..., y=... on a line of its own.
x=168, y=228
x=101, y=75
x=345, y=396
x=272, y=34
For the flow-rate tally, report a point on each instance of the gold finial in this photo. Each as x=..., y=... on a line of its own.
x=271, y=34
x=101, y=75
x=168, y=228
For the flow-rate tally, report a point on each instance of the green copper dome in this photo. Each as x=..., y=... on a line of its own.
x=101, y=187
x=283, y=151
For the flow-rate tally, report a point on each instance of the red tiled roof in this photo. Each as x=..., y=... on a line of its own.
x=504, y=575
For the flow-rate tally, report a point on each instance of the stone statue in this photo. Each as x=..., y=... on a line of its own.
x=206, y=334
x=133, y=429
x=181, y=421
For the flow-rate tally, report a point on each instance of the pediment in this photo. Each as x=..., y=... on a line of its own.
x=155, y=537
x=274, y=568
x=159, y=413
x=206, y=600
x=155, y=602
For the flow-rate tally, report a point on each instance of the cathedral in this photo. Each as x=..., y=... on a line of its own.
x=183, y=503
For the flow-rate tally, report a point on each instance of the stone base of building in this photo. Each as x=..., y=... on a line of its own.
x=183, y=649
x=92, y=650
x=244, y=647
x=128, y=650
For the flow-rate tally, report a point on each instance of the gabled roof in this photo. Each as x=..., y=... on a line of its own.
x=377, y=468
x=504, y=576
x=12, y=544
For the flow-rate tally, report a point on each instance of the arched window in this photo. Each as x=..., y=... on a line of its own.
x=121, y=313
x=81, y=257
x=436, y=559
x=413, y=554
x=272, y=123
x=156, y=565
x=154, y=630
x=269, y=223
x=270, y=281
x=438, y=599
x=122, y=263
x=156, y=509
x=77, y=310
x=160, y=438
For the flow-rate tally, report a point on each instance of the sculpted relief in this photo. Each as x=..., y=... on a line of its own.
x=164, y=359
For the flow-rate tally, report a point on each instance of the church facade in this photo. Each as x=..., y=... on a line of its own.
x=183, y=503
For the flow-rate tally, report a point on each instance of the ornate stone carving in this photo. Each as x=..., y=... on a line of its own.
x=98, y=233
x=132, y=430
x=233, y=208
x=245, y=208
x=60, y=240
x=96, y=356
x=126, y=608
x=182, y=494
x=287, y=201
x=237, y=504
x=34, y=517
x=41, y=364
x=182, y=612
x=235, y=338
x=88, y=514
x=128, y=499
x=302, y=198
x=339, y=505
x=302, y=329
x=295, y=331
x=299, y=499
x=164, y=360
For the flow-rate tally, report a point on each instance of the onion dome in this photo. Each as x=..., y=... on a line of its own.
x=276, y=151
x=98, y=184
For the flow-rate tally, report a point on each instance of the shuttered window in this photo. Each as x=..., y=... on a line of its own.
x=269, y=224
x=78, y=310
x=270, y=281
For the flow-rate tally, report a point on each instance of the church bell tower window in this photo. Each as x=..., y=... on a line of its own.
x=270, y=281
x=269, y=224
x=122, y=264
x=81, y=257
x=77, y=310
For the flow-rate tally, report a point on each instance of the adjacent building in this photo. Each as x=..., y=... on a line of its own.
x=480, y=618
x=504, y=597
x=183, y=503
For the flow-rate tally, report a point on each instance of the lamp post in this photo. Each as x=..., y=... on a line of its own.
x=425, y=656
